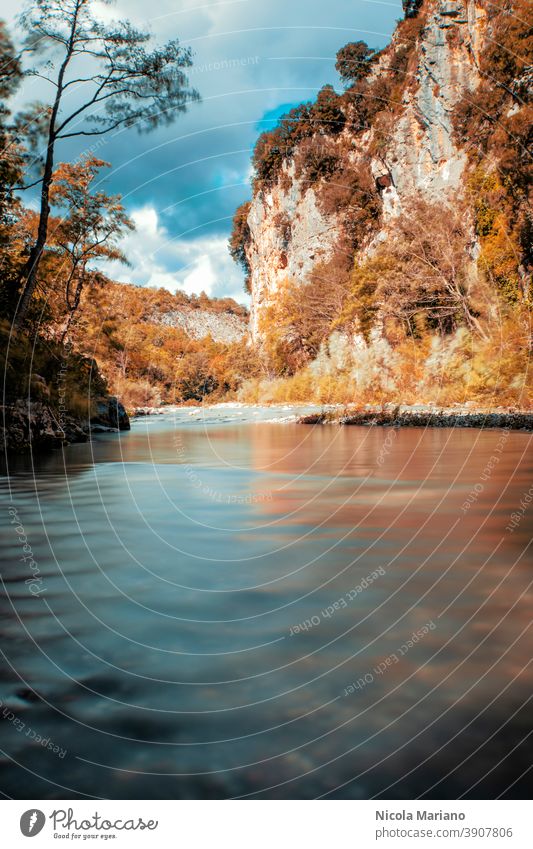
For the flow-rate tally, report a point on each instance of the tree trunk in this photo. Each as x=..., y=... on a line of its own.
x=74, y=308
x=29, y=272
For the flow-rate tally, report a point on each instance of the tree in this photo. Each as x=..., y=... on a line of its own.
x=121, y=82
x=419, y=278
x=327, y=115
x=9, y=64
x=293, y=325
x=10, y=162
x=93, y=223
x=276, y=146
x=240, y=239
x=354, y=61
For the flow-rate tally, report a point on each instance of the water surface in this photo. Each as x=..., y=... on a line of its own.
x=222, y=606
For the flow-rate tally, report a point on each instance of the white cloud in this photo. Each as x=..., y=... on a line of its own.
x=201, y=277
x=157, y=259
x=145, y=220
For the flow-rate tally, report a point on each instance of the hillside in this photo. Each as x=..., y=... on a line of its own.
x=153, y=346
x=222, y=319
x=144, y=346
x=387, y=244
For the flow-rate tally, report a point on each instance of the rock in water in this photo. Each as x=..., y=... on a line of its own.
x=111, y=413
x=34, y=424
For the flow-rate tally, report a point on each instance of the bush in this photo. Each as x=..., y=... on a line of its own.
x=44, y=370
x=501, y=238
x=316, y=159
x=420, y=277
x=274, y=147
x=443, y=370
x=354, y=61
x=295, y=324
x=411, y=7
x=240, y=239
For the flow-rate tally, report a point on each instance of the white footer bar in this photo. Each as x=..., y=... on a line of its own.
x=267, y=824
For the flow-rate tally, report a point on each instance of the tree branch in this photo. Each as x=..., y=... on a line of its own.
x=29, y=186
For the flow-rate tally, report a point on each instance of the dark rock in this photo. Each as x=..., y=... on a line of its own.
x=34, y=424
x=383, y=182
x=313, y=418
x=111, y=413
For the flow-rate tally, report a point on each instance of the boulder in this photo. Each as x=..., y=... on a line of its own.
x=111, y=413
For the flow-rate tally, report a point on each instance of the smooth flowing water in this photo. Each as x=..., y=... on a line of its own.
x=214, y=605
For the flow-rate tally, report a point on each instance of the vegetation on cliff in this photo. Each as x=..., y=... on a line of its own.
x=433, y=302
x=496, y=126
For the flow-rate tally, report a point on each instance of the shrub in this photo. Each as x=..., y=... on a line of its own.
x=316, y=159
x=354, y=61
x=240, y=239
x=411, y=7
x=501, y=238
x=44, y=370
x=295, y=323
x=419, y=277
x=276, y=146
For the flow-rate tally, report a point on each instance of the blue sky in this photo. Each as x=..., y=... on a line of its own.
x=253, y=60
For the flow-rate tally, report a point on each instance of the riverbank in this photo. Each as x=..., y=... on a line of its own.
x=388, y=415
x=39, y=425
x=423, y=416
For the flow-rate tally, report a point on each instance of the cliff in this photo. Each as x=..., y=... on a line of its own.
x=333, y=180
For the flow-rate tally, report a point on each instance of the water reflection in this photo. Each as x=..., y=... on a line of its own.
x=177, y=562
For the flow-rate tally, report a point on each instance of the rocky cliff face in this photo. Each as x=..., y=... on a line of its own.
x=422, y=156
x=289, y=236
x=198, y=316
x=289, y=232
x=223, y=327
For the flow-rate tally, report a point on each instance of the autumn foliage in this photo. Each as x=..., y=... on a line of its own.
x=148, y=359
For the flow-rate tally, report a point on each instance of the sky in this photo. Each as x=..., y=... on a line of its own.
x=253, y=60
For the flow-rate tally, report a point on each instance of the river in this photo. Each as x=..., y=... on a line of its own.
x=217, y=605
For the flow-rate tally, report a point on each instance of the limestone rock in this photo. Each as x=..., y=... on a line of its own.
x=199, y=323
x=289, y=234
